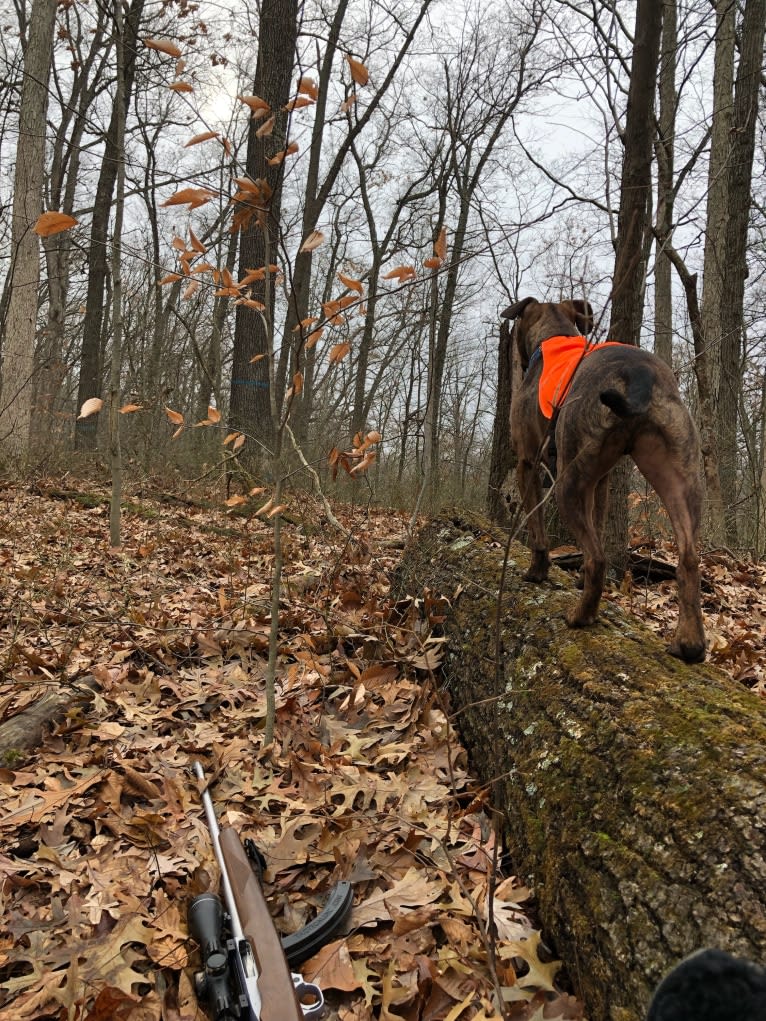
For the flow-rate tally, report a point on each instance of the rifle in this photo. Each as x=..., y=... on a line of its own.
x=246, y=966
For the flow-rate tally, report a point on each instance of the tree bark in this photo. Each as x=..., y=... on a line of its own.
x=18, y=344
x=665, y=148
x=501, y=461
x=632, y=786
x=90, y=381
x=739, y=178
x=632, y=232
x=252, y=403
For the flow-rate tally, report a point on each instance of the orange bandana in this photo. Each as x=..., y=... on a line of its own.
x=561, y=356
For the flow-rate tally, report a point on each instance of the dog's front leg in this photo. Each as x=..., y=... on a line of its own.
x=528, y=476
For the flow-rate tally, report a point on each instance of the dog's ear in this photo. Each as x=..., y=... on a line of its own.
x=514, y=311
x=583, y=315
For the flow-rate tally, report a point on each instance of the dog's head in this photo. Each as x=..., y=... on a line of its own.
x=538, y=320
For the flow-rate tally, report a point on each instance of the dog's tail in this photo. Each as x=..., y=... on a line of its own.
x=636, y=398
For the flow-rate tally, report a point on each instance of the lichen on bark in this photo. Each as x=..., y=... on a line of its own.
x=633, y=786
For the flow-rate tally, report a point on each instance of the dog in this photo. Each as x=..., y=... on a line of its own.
x=711, y=985
x=620, y=400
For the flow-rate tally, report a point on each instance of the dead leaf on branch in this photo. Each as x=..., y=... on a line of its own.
x=193, y=197
x=401, y=274
x=203, y=137
x=297, y=103
x=266, y=128
x=338, y=352
x=259, y=107
x=51, y=223
x=163, y=46
x=313, y=241
x=175, y=416
x=280, y=156
x=351, y=283
x=359, y=72
x=91, y=407
x=308, y=87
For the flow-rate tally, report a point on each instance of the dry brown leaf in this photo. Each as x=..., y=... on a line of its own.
x=351, y=283
x=338, y=352
x=51, y=223
x=358, y=71
x=203, y=137
x=313, y=241
x=163, y=46
x=174, y=416
x=266, y=128
x=193, y=197
x=91, y=407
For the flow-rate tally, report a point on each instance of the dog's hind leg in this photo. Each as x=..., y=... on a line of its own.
x=675, y=480
x=582, y=505
x=528, y=477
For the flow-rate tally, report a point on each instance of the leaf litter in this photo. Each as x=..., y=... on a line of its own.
x=157, y=652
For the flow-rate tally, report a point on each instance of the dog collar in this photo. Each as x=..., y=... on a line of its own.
x=534, y=359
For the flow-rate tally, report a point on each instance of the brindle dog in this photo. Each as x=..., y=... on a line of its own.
x=621, y=400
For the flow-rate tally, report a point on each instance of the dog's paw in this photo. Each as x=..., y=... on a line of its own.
x=689, y=652
x=576, y=618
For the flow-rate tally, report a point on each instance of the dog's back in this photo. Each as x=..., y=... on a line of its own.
x=622, y=391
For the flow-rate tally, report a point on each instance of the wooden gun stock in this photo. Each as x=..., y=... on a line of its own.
x=279, y=1001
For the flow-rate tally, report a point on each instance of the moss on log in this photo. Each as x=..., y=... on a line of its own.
x=633, y=786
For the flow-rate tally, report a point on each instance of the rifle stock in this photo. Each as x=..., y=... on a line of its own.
x=279, y=998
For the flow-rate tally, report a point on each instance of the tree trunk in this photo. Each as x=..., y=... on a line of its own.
x=501, y=460
x=665, y=147
x=251, y=400
x=631, y=785
x=632, y=232
x=89, y=384
x=708, y=439
x=18, y=344
x=739, y=178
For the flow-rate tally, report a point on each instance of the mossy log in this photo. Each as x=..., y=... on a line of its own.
x=633, y=786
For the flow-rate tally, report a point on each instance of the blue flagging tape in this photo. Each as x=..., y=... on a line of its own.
x=250, y=382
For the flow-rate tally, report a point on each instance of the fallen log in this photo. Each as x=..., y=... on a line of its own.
x=633, y=786
x=22, y=732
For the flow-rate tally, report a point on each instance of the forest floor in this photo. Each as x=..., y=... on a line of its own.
x=157, y=652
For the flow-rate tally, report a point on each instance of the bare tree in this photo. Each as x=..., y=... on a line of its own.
x=633, y=232
x=739, y=178
x=90, y=378
x=20, y=325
